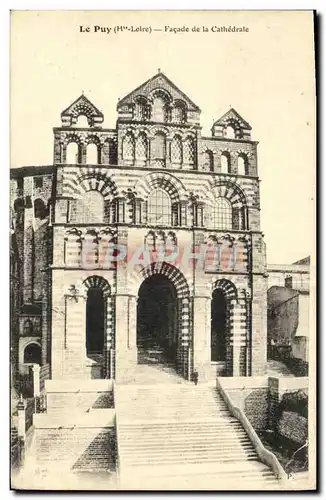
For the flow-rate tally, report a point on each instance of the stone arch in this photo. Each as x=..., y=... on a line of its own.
x=165, y=181
x=72, y=139
x=243, y=164
x=96, y=281
x=32, y=353
x=172, y=273
x=141, y=108
x=182, y=303
x=92, y=141
x=228, y=288
x=225, y=290
x=179, y=111
x=95, y=181
x=235, y=196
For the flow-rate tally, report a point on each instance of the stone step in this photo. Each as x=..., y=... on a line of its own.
x=183, y=450
x=213, y=426
x=201, y=442
x=236, y=467
x=229, y=440
x=193, y=458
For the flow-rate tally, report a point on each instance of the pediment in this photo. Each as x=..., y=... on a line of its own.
x=82, y=106
x=158, y=82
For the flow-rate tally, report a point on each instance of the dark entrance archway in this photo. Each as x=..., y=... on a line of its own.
x=95, y=322
x=218, y=326
x=157, y=321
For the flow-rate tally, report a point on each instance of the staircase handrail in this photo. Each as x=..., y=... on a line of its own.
x=116, y=430
x=265, y=455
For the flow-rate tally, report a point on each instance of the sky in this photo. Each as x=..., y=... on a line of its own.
x=266, y=74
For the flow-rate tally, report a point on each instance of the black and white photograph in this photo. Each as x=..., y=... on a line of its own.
x=162, y=251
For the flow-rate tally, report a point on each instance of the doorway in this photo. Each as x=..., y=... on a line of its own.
x=95, y=322
x=157, y=321
x=218, y=326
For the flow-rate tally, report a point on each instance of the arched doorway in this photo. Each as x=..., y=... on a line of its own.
x=218, y=326
x=157, y=321
x=32, y=354
x=95, y=322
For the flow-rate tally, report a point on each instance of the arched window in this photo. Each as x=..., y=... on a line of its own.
x=32, y=354
x=159, y=208
x=176, y=150
x=141, y=147
x=189, y=151
x=73, y=155
x=225, y=163
x=230, y=132
x=92, y=154
x=90, y=208
x=128, y=147
x=141, y=109
x=208, y=161
x=40, y=210
x=82, y=121
x=222, y=214
x=178, y=113
x=158, y=149
x=242, y=164
x=158, y=110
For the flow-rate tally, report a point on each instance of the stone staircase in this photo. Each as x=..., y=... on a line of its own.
x=183, y=437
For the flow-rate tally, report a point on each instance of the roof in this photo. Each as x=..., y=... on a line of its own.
x=159, y=80
x=232, y=115
x=83, y=101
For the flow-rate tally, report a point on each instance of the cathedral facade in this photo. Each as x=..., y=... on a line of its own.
x=140, y=244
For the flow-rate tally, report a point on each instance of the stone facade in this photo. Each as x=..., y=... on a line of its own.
x=154, y=182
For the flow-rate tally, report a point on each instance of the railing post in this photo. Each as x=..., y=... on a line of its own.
x=21, y=409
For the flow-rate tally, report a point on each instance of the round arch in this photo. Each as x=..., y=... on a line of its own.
x=96, y=281
x=180, y=306
x=173, y=186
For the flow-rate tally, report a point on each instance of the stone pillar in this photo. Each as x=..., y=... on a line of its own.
x=82, y=153
x=238, y=327
x=183, y=210
x=75, y=338
x=184, y=344
x=109, y=341
x=36, y=380
x=201, y=336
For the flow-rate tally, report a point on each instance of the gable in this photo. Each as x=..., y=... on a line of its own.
x=81, y=106
x=232, y=116
x=162, y=82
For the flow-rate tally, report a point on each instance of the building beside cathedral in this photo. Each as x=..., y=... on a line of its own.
x=140, y=244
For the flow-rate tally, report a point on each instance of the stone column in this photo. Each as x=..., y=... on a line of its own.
x=109, y=341
x=183, y=214
x=201, y=336
x=75, y=337
x=238, y=330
